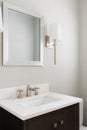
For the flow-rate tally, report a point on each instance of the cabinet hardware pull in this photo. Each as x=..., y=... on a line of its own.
x=55, y=125
x=62, y=122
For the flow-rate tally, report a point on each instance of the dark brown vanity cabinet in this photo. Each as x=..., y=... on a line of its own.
x=63, y=119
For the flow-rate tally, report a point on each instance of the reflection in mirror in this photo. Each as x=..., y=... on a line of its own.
x=25, y=41
x=22, y=39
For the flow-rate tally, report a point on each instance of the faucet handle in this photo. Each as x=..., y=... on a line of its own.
x=19, y=93
x=36, y=90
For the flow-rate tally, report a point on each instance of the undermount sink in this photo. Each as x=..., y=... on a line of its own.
x=37, y=101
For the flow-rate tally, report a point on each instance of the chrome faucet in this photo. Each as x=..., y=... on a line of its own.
x=29, y=91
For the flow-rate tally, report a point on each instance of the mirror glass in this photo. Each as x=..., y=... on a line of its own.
x=22, y=37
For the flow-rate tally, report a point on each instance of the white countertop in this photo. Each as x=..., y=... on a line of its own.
x=25, y=113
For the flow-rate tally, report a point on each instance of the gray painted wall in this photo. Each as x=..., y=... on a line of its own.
x=83, y=54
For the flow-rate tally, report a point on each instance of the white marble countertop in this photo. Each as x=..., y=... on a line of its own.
x=25, y=113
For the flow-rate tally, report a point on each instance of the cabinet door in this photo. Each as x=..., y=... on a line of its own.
x=56, y=120
x=63, y=119
x=73, y=117
x=10, y=122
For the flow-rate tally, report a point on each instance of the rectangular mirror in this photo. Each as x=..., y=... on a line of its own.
x=22, y=36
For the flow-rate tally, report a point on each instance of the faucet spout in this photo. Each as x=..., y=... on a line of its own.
x=28, y=91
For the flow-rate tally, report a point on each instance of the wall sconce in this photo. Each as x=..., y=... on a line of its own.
x=1, y=28
x=52, y=37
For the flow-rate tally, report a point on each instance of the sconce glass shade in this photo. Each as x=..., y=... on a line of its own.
x=47, y=30
x=1, y=28
x=55, y=32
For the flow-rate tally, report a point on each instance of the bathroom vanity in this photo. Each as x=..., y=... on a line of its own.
x=63, y=119
x=49, y=111
x=46, y=111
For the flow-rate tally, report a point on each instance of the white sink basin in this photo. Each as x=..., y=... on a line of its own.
x=37, y=101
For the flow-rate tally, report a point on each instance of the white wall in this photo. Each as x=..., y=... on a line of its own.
x=83, y=54
x=62, y=77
